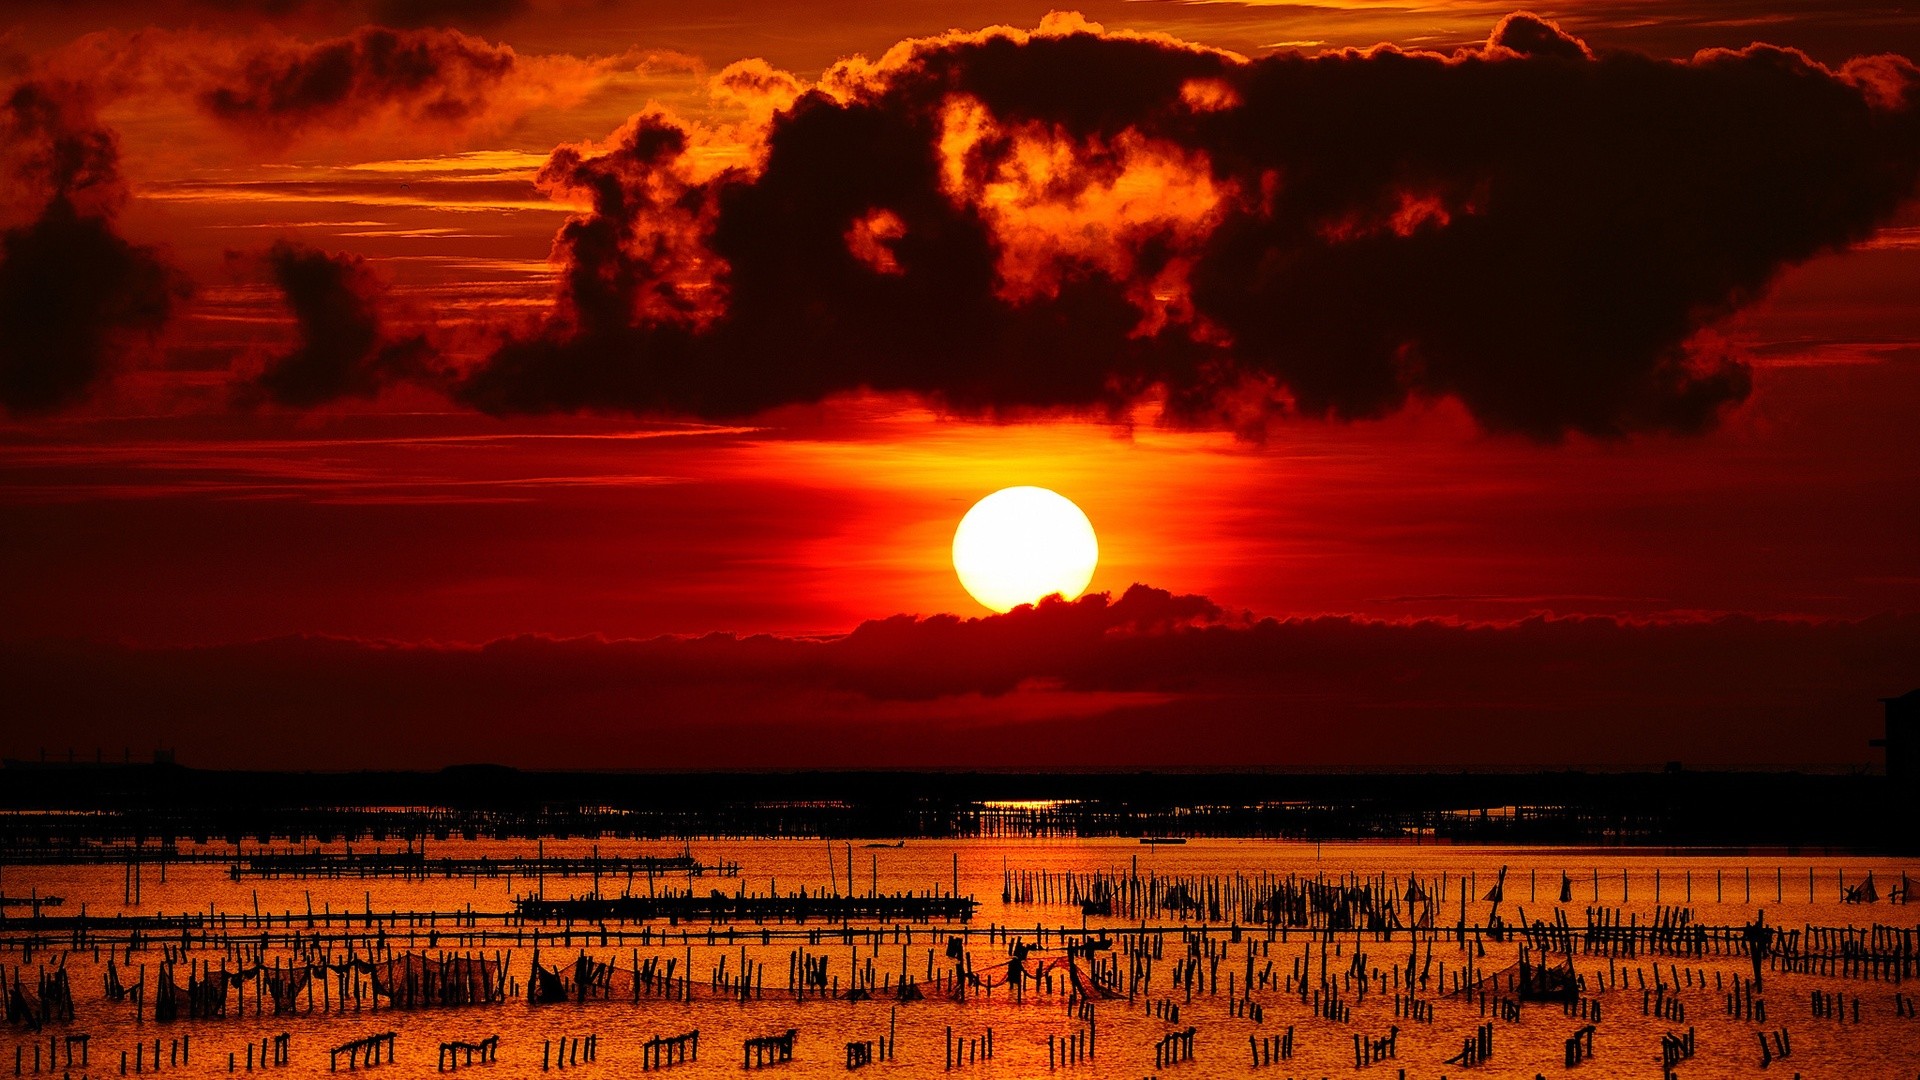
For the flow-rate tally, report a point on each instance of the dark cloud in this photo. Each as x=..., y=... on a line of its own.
x=74, y=293
x=1148, y=679
x=1070, y=218
x=429, y=76
x=342, y=350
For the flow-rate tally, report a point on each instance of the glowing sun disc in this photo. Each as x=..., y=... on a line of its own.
x=1021, y=544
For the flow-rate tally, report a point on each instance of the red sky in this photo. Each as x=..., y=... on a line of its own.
x=422, y=326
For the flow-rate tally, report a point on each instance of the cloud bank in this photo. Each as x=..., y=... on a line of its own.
x=1073, y=218
x=1147, y=679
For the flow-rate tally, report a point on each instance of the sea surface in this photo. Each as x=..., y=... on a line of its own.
x=1029, y=896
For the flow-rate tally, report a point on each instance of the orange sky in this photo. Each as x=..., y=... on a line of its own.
x=180, y=499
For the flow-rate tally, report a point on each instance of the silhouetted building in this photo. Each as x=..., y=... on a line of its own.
x=1902, y=740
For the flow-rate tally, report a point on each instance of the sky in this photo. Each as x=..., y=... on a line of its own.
x=592, y=383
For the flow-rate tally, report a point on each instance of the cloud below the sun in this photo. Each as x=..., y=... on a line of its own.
x=1148, y=678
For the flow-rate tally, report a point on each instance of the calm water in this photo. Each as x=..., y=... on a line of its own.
x=1718, y=889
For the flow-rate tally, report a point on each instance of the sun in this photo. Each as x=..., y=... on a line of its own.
x=1020, y=544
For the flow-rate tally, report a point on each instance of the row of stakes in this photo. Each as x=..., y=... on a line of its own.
x=1268, y=1049
x=177, y=1055
x=452, y=1053
x=663, y=1051
x=968, y=1049
x=657, y=1053
x=1070, y=1049
x=862, y=1054
x=271, y=1050
x=1658, y=1003
x=54, y=1046
x=571, y=1051
x=1834, y=1006
x=1367, y=1051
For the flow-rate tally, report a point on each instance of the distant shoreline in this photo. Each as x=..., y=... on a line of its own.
x=47, y=805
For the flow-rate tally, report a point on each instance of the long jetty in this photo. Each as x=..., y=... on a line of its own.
x=718, y=907
x=413, y=864
x=1877, y=952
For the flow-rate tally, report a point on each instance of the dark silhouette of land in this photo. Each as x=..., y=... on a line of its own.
x=79, y=808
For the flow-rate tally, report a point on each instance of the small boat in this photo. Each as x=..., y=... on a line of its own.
x=1163, y=839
